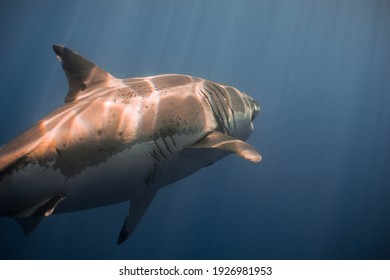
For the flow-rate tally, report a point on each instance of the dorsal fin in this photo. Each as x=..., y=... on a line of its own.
x=81, y=73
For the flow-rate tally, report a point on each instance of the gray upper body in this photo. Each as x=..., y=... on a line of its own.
x=120, y=139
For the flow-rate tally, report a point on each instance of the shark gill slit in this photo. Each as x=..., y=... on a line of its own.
x=166, y=145
x=228, y=101
x=215, y=113
x=224, y=120
x=216, y=117
x=218, y=111
x=222, y=105
x=173, y=141
x=159, y=149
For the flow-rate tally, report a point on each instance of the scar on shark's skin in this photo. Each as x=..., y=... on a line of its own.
x=120, y=139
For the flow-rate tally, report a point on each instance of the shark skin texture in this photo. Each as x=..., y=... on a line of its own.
x=120, y=140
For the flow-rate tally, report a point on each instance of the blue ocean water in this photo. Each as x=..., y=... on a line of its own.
x=321, y=73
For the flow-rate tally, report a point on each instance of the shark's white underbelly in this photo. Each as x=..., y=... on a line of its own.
x=127, y=175
x=119, y=178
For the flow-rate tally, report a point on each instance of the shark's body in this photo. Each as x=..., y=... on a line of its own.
x=120, y=139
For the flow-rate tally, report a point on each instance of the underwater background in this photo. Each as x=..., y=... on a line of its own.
x=321, y=73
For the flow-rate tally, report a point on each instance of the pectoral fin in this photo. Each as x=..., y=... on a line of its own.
x=218, y=140
x=138, y=206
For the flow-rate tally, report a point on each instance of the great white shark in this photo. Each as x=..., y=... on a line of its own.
x=116, y=140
